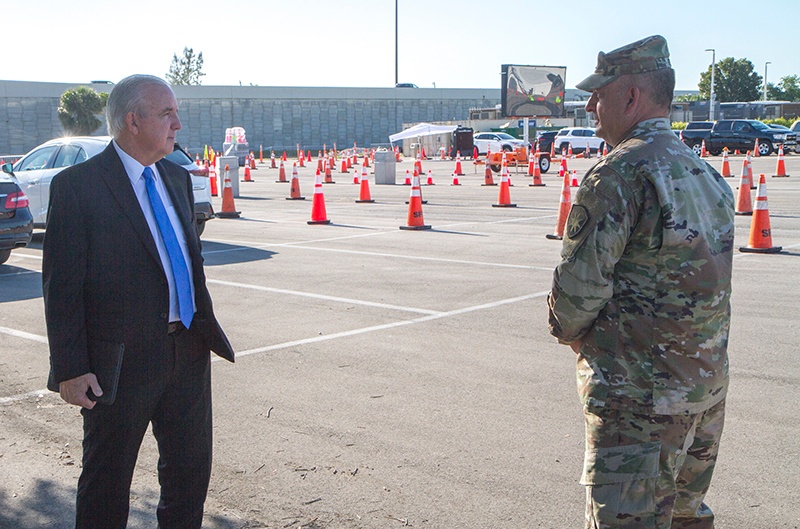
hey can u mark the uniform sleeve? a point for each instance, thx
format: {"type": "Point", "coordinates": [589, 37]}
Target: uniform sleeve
{"type": "Point", "coordinates": [597, 231]}
{"type": "Point", "coordinates": [63, 273]}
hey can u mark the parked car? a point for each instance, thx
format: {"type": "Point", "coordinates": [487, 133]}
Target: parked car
{"type": "Point", "coordinates": [741, 135]}
{"type": "Point", "coordinates": [545, 140]}
{"type": "Point", "coordinates": [795, 128]}
{"type": "Point", "coordinates": [496, 142]}
{"type": "Point", "coordinates": [36, 170]}
{"type": "Point", "coordinates": [16, 221]}
{"type": "Point", "coordinates": [581, 138]}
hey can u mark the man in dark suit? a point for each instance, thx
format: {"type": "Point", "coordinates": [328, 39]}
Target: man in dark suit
{"type": "Point", "coordinates": [123, 282]}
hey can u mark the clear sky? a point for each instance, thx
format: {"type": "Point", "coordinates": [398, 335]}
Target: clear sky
{"type": "Point", "coordinates": [446, 44]}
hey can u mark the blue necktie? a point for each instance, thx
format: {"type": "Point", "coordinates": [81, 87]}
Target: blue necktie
{"type": "Point", "coordinates": [180, 272]}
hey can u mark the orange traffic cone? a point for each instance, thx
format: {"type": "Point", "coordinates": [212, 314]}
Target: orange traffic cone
{"type": "Point", "coordinates": [563, 210]}
{"type": "Point", "coordinates": [756, 152]}
{"type": "Point", "coordinates": [564, 169]}
{"type": "Point", "coordinates": [455, 180]}
{"type": "Point", "coordinates": [228, 208]}
{"type": "Point", "coordinates": [318, 214]}
{"type": "Point", "coordinates": [261, 154]}
{"type": "Point", "coordinates": [430, 179]}
{"type": "Point", "coordinates": [212, 176]}
{"type": "Point", "coordinates": [328, 177]}
{"type": "Point", "coordinates": [750, 171]}
{"type": "Point", "coordinates": [283, 157]}
{"type": "Point", "coordinates": [744, 203]}
{"type": "Point", "coordinates": [703, 151]}
{"type": "Point", "coordinates": [272, 161]}
{"type": "Point", "coordinates": [726, 166]}
{"type": "Point", "coordinates": [553, 151]}
{"type": "Point", "coordinates": [537, 173]}
{"type": "Point", "coordinates": [488, 177]}
{"type": "Point", "coordinates": [458, 170]}
{"type": "Point", "coordinates": [569, 150]}
{"type": "Point", "coordinates": [415, 220]}
{"type": "Point", "coordinates": [574, 182]}
{"type": "Point", "coordinates": [408, 178]}
{"type": "Point", "coordinates": [343, 168]}
{"type": "Point", "coordinates": [302, 159]}
{"type": "Point", "coordinates": [282, 174]}
{"type": "Point", "coordinates": [504, 196]}
{"type": "Point", "coordinates": [294, 191]}
{"type": "Point", "coordinates": [760, 231]}
{"type": "Point", "coordinates": [247, 177]}
{"type": "Point", "coordinates": [780, 169]}
{"type": "Point", "coordinates": [605, 150]}
{"type": "Point", "coordinates": [253, 161]}
{"type": "Point", "coordinates": [364, 195]}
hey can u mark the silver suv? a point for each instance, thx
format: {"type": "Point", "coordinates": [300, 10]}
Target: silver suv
{"type": "Point", "coordinates": [581, 138]}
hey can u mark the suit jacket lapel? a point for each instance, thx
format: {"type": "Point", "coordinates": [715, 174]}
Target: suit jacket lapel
{"type": "Point", "coordinates": [119, 184]}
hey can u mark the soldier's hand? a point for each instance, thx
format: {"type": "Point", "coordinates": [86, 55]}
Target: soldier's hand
{"type": "Point", "coordinates": [74, 390]}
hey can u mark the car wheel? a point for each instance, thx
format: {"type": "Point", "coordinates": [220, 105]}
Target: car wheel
{"type": "Point", "coordinates": [544, 163]}
{"type": "Point", "coordinates": [696, 148]}
{"type": "Point", "coordinates": [496, 168]}
{"type": "Point", "coordinates": [200, 227]}
{"type": "Point", "coordinates": [4, 255]}
{"type": "Point", "coordinates": [507, 148]}
{"type": "Point", "coordinates": [764, 148]}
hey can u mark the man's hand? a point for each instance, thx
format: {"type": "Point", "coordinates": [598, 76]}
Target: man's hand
{"type": "Point", "coordinates": [74, 390]}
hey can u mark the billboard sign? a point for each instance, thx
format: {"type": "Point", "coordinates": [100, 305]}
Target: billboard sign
{"type": "Point", "coordinates": [533, 91]}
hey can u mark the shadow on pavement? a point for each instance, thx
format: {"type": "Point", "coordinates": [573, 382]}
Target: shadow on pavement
{"type": "Point", "coordinates": [52, 506]}
{"type": "Point", "coordinates": [18, 284]}
{"type": "Point", "coordinates": [218, 253]}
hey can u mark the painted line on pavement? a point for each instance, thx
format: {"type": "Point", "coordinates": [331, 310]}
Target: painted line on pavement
{"type": "Point", "coordinates": [322, 297]}
{"type": "Point", "coordinates": [374, 328]}
{"type": "Point", "coordinates": [23, 334]}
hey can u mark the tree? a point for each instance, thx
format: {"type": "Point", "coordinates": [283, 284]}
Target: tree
{"type": "Point", "coordinates": [187, 70]}
{"type": "Point", "coordinates": [734, 80]}
{"type": "Point", "coordinates": [78, 110]}
{"type": "Point", "coordinates": [787, 90]}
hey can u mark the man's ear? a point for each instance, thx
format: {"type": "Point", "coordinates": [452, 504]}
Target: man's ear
{"type": "Point", "coordinates": [633, 95]}
{"type": "Point", "coordinates": [132, 122]}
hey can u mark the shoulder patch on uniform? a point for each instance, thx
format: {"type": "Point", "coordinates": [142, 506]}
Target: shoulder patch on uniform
{"type": "Point", "coordinates": [577, 219]}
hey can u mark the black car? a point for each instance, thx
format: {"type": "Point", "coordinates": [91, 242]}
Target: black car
{"type": "Point", "coordinates": [16, 221]}
{"type": "Point", "coordinates": [545, 140]}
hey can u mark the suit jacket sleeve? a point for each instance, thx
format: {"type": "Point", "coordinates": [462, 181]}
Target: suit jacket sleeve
{"type": "Point", "coordinates": [63, 273]}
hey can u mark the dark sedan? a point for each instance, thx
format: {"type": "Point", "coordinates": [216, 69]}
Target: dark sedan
{"type": "Point", "coordinates": [16, 222]}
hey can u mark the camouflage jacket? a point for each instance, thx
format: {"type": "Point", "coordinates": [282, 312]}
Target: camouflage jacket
{"type": "Point", "coordinates": [645, 278]}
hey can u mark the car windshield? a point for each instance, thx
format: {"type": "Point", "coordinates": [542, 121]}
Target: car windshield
{"type": "Point", "coordinates": [759, 126]}
{"type": "Point", "coordinates": [504, 136]}
{"type": "Point", "coordinates": [178, 157]}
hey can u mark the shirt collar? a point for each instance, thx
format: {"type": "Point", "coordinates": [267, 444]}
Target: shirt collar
{"type": "Point", "coordinates": [132, 166]}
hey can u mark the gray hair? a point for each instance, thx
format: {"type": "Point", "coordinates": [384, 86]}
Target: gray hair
{"type": "Point", "coordinates": [128, 96]}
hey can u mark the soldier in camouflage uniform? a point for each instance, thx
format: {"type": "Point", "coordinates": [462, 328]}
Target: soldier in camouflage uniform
{"type": "Point", "coordinates": [642, 296]}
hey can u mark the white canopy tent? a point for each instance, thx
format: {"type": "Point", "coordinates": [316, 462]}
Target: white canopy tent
{"type": "Point", "coordinates": [422, 129]}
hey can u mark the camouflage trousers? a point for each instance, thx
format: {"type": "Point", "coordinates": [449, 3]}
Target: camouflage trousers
{"type": "Point", "coordinates": [650, 471]}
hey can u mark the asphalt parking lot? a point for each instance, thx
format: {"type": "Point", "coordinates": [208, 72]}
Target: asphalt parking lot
{"type": "Point", "coordinates": [389, 378]}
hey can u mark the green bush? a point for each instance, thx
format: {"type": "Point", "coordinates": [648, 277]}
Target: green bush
{"type": "Point", "coordinates": [678, 125]}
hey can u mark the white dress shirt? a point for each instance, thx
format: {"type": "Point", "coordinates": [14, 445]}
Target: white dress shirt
{"type": "Point", "coordinates": [135, 170]}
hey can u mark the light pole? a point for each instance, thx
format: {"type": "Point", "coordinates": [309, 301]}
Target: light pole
{"type": "Point", "coordinates": [713, 67]}
{"type": "Point", "coordinates": [395, 42]}
{"type": "Point", "coordinates": [765, 79]}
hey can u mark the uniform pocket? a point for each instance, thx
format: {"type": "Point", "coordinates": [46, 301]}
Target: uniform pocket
{"type": "Point", "coordinates": [621, 485]}
{"type": "Point", "coordinates": [619, 464]}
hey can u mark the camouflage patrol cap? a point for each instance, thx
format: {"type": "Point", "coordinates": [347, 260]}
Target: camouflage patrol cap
{"type": "Point", "coordinates": [646, 55]}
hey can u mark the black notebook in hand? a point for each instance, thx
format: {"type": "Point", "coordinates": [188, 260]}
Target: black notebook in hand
{"type": "Point", "coordinates": [105, 360]}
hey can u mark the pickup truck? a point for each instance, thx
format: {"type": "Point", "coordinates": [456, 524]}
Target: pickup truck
{"type": "Point", "coordinates": [737, 134]}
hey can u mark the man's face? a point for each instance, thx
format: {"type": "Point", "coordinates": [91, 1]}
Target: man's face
{"type": "Point", "coordinates": [158, 123]}
{"type": "Point", "coordinates": [608, 103]}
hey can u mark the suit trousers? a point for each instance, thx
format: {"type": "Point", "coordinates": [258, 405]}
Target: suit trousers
{"type": "Point", "coordinates": [650, 471]}
{"type": "Point", "coordinates": [176, 399]}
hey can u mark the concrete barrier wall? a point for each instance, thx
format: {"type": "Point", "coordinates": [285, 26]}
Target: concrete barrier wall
{"type": "Point", "coordinates": [275, 117]}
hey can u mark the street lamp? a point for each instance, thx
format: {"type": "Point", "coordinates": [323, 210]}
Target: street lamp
{"type": "Point", "coordinates": [765, 80]}
{"type": "Point", "coordinates": [713, 67]}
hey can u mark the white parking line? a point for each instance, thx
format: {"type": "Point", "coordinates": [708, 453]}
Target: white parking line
{"type": "Point", "coordinates": [23, 334]}
{"type": "Point", "coordinates": [384, 326]}
{"type": "Point", "coordinates": [322, 297]}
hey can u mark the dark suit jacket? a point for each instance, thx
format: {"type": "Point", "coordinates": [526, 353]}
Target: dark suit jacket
{"type": "Point", "coordinates": [103, 281]}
